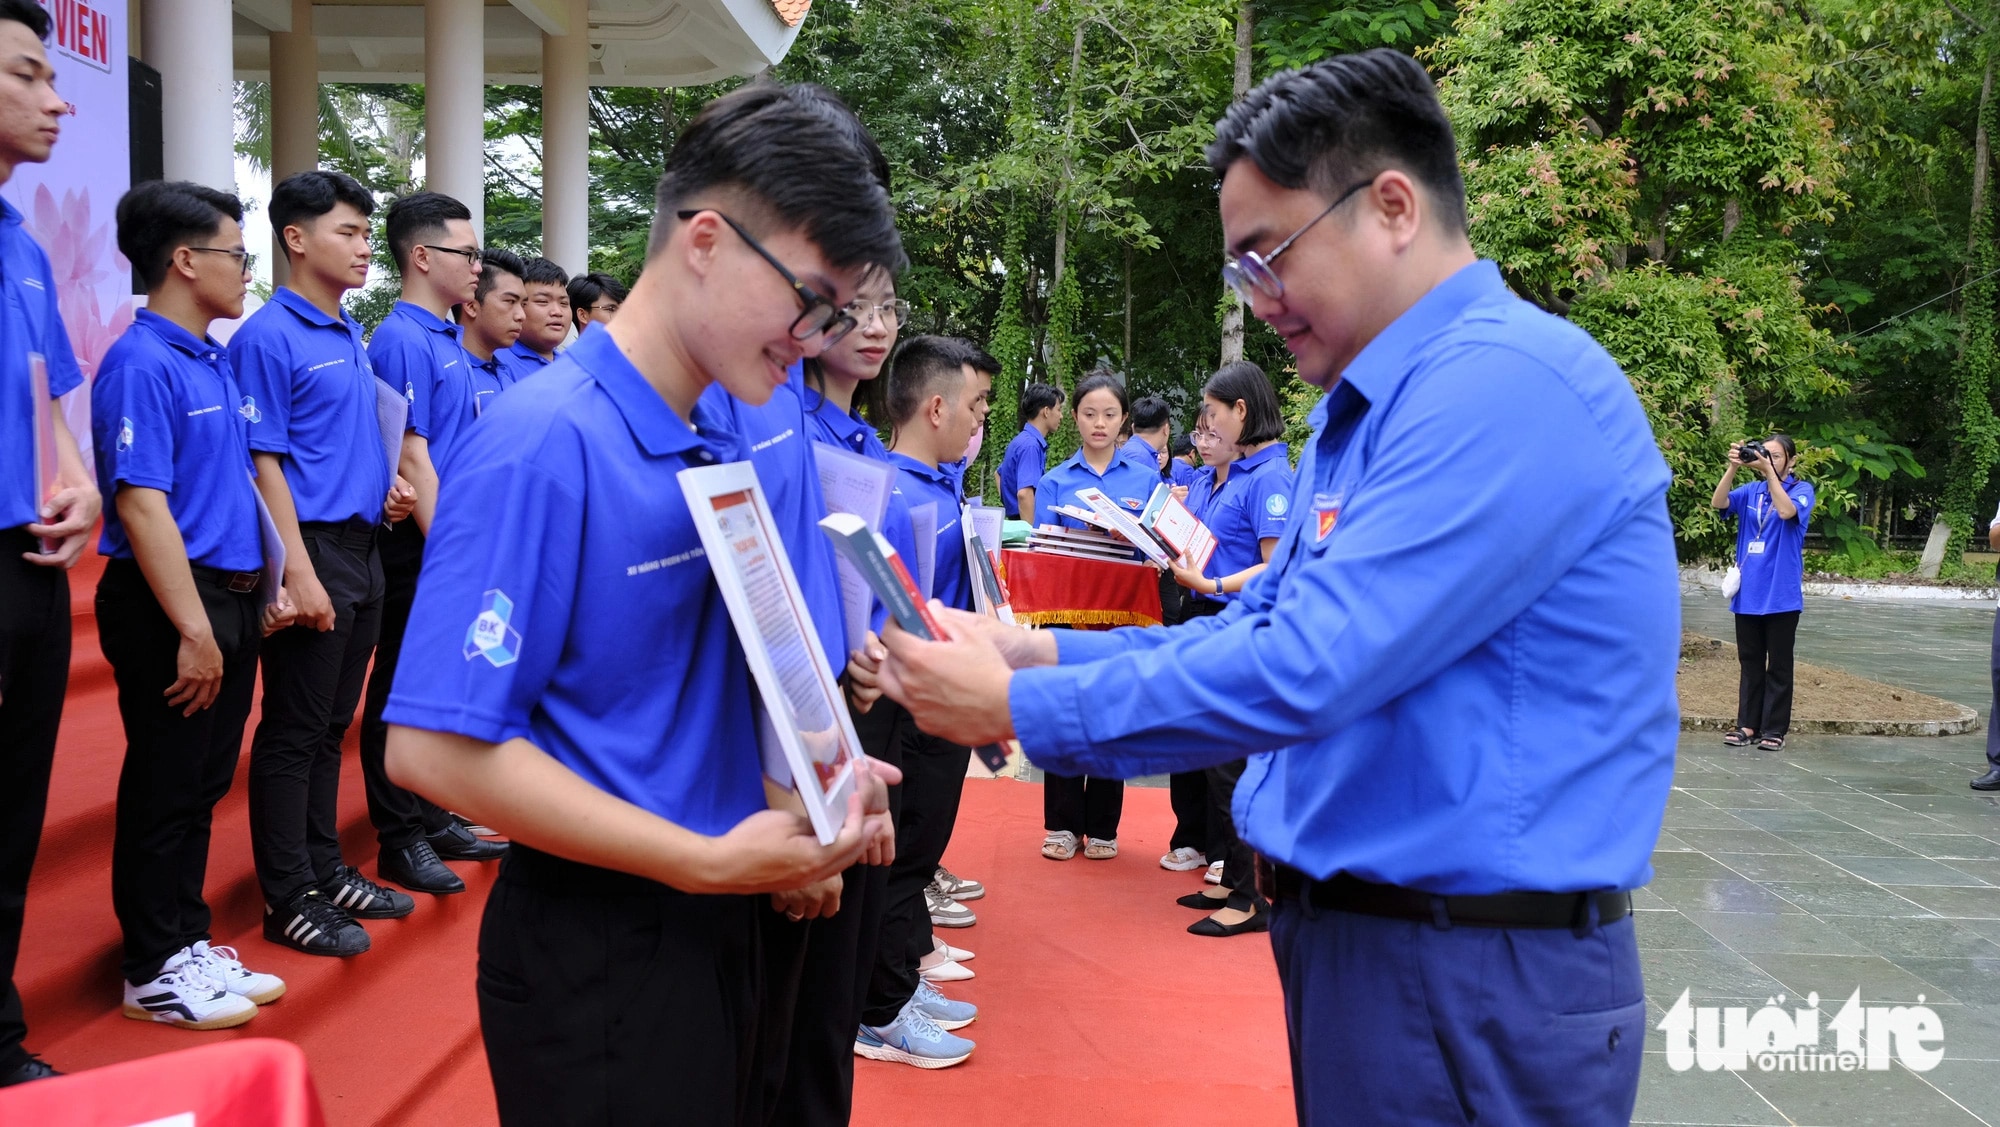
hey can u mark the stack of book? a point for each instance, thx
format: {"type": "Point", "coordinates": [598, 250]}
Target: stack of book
{"type": "Point", "coordinates": [1079, 544]}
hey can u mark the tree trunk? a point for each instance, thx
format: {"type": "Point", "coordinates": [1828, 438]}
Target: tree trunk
{"type": "Point", "coordinates": [1069, 172]}
{"type": "Point", "coordinates": [1982, 156]}
{"type": "Point", "coordinates": [1232, 318]}
{"type": "Point", "coordinates": [1128, 310]}
{"type": "Point", "coordinates": [1732, 216]}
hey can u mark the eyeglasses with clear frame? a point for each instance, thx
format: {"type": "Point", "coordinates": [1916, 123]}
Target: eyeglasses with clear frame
{"type": "Point", "coordinates": [820, 315]}
{"type": "Point", "coordinates": [1251, 269]}
{"type": "Point", "coordinates": [894, 312]}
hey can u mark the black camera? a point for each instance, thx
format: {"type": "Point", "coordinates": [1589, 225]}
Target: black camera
{"type": "Point", "coordinates": [1751, 452]}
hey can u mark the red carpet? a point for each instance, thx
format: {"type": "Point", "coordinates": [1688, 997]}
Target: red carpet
{"type": "Point", "coordinates": [1096, 1003]}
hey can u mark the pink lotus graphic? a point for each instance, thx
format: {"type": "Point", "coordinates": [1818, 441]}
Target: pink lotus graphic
{"type": "Point", "coordinates": [88, 270]}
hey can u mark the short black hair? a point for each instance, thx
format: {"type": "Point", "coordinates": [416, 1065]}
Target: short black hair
{"type": "Point", "coordinates": [1245, 382]}
{"type": "Point", "coordinates": [922, 367]}
{"type": "Point", "coordinates": [788, 155]}
{"type": "Point", "coordinates": [1102, 379]}
{"type": "Point", "coordinates": [1151, 413]}
{"type": "Point", "coordinates": [1036, 398]}
{"type": "Point", "coordinates": [1343, 120]}
{"type": "Point", "coordinates": [27, 12]}
{"type": "Point", "coordinates": [417, 217]}
{"type": "Point", "coordinates": [1181, 446]}
{"type": "Point", "coordinates": [983, 360]}
{"type": "Point", "coordinates": [586, 289]}
{"type": "Point", "coordinates": [160, 216]}
{"type": "Point", "coordinates": [305, 196]}
{"type": "Point", "coordinates": [492, 264]}
{"type": "Point", "coordinates": [540, 271]}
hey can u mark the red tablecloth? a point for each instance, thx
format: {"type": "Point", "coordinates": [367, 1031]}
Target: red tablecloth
{"type": "Point", "coordinates": [252, 1082]}
{"type": "Point", "coordinates": [1051, 590]}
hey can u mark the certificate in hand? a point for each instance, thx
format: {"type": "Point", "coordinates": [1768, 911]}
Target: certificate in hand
{"type": "Point", "coordinates": [800, 697]}
{"type": "Point", "coordinates": [392, 416]}
{"type": "Point", "coordinates": [47, 467]}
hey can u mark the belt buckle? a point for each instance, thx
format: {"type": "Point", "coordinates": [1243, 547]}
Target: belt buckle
{"type": "Point", "coordinates": [243, 582]}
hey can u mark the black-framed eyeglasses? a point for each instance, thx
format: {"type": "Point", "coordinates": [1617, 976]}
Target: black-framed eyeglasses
{"type": "Point", "coordinates": [472, 257]}
{"type": "Point", "coordinates": [244, 259]}
{"type": "Point", "coordinates": [1253, 269]}
{"type": "Point", "coordinates": [820, 316]}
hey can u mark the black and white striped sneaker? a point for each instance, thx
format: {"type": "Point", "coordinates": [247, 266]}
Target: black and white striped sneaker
{"type": "Point", "coordinates": [363, 898]}
{"type": "Point", "coordinates": [312, 924]}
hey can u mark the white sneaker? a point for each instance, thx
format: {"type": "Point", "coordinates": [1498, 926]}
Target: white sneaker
{"type": "Point", "coordinates": [186, 996]}
{"type": "Point", "coordinates": [955, 954]}
{"type": "Point", "coordinates": [1214, 873]}
{"type": "Point", "coordinates": [946, 912]}
{"type": "Point", "coordinates": [222, 965]}
{"type": "Point", "coordinates": [1183, 860]}
{"type": "Point", "coordinates": [935, 967]}
{"type": "Point", "coordinates": [957, 887]}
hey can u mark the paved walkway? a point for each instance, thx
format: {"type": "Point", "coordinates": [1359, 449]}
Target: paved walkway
{"type": "Point", "coordinates": [1839, 863]}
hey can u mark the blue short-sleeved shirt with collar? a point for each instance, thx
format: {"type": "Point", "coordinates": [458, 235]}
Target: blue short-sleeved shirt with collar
{"type": "Point", "coordinates": [1179, 472]}
{"type": "Point", "coordinates": [29, 323]}
{"type": "Point", "coordinates": [1773, 575]}
{"type": "Point", "coordinates": [1124, 481]}
{"type": "Point", "coordinates": [309, 393]}
{"type": "Point", "coordinates": [951, 581]}
{"type": "Point", "coordinates": [850, 432]}
{"type": "Point", "coordinates": [166, 415]}
{"type": "Point", "coordinates": [518, 362]}
{"type": "Point", "coordinates": [423, 355]}
{"type": "Point", "coordinates": [566, 598]}
{"type": "Point", "coordinates": [1141, 453]}
{"type": "Point", "coordinates": [1021, 467]}
{"type": "Point", "coordinates": [489, 378]}
{"type": "Point", "coordinates": [778, 441]}
{"type": "Point", "coordinates": [1250, 507]}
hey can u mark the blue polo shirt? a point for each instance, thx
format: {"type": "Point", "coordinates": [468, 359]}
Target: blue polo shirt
{"type": "Point", "coordinates": [1141, 453]}
{"type": "Point", "coordinates": [856, 435]}
{"type": "Point", "coordinates": [309, 394]}
{"type": "Point", "coordinates": [1021, 467]}
{"type": "Point", "coordinates": [1179, 472]}
{"type": "Point", "coordinates": [1774, 578]}
{"type": "Point", "coordinates": [1458, 682]}
{"type": "Point", "coordinates": [566, 599]}
{"type": "Point", "coordinates": [779, 444]}
{"type": "Point", "coordinates": [1124, 481]}
{"type": "Point", "coordinates": [29, 322]}
{"type": "Point", "coordinates": [1248, 508]}
{"type": "Point", "coordinates": [518, 362]}
{"type": "Point", "coordinates": [489, 378]}
{"type": "Point", "coordinates": [166, 415]}
{"type": "Point", "coordinates": [919, 484]}
{"type": "Point", "coordinates": [424, 355]}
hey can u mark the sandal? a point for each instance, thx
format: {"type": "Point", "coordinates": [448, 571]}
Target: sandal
{"type": "Point", "coordinates": [1060, 845]}
{"type": "Point", "coordinates": [1772, 743]}
{"type": "Point", "coordinates": [1101, 850]}
{"type": "Point", "coordinates": [1739, 737]}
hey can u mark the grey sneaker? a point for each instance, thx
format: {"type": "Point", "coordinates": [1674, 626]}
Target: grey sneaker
{"type": "Point", "coordinates": [946, 912]}
{"type": "Point", "coordinates": [957, 887]}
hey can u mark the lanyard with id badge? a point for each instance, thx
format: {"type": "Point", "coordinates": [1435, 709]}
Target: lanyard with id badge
{"type": "Point", "coordinates": [1765, 511]}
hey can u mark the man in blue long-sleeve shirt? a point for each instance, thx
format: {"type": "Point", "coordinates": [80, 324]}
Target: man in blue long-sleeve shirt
{"type": "Point", "coordinates": [1455, 682]}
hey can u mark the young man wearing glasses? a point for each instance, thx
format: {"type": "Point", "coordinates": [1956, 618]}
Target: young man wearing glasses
{"type": "Point", "coordinates": [573, 678]}
{"type": "Point", "coordinates": [310, 396]}
{"type": "Point", "coordinates": [1426, 784]}
{"type": "Point", "coordinates": [419, 350]}
{"type": "Point", "coordinates": [179, 610]}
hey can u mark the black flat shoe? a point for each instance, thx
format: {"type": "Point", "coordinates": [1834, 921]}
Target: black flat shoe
{"type": "Point", "coordinates": [1989, 781]}
{"type": "Point", "coordinates": [1259, 922]}
{"type": "Point", "coordinates": [1200, 902]}
{"type": "Point", "coordinates": [418, 868]}
{"type": "Point", "coordinates": [457, 843]}
{"type": "Point", "coordinates": [34, 1068]}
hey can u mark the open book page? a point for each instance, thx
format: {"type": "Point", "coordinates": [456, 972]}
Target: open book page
{"type": "Point", "coordinates": [858, 486]}
{"type": "Point", "coordinates": [1121, 522]}
{"type": "Point", "coordinates": [1184, 532]}
{"type": "Point", "coordinates": [924, 526]}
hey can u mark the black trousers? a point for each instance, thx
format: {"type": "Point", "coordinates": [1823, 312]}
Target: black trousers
{"type": "Point", "coordinates": [1187, 791]}
{"type": "Point", "coordinates": [1239, 861]}
{"type": "Point", "coordinates": [933, 782]}
{"type": "Point", "coordinates": [1087, 807]}
{"type": "Point", "coordinates": [817, 975]}
{"type": "Point", "coordinates": [312, 683]}
{"type": "Point", "coordinates": [1764, 650]}
{"type": "Point", "coordinates": [1993, 718]}
{"type": "Point", "coordinates": [607, 999]}
{"type": "Point", "coordinates": [34, 674]}
{"type": "Point", "coordinates": [401, 817]}
{"type": "Point", "coordinates": [176, 767]}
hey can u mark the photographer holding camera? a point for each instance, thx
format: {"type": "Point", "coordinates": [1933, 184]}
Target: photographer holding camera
{"type": "Point", "coordinates": [1771, 521]}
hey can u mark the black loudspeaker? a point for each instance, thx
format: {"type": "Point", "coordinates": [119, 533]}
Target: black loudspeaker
{"type": "Point", "coordinates": [149, 147]}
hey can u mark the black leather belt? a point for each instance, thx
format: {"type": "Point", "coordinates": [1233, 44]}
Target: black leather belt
{"type": "Point", "coordinates": [354, 533]}
{"type": "Point", "coordinates": [240, 582]}
{"type": "Point", "coordinates": [1345, 893]}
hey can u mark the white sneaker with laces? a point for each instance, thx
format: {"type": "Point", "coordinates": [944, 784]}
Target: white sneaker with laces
{"type": "Point", "coordinates": [946, 912]}
{"type": "Point", "coordinates": [1183, 860]}
{"type": "Point", "coordinates": [1214, 873]}
{"type": "Point", "coordinates": [183, 994]}
{"type": "Point", "coordinates": [223, 965]}
{"type": "Point", "coordinates": [956, 887]}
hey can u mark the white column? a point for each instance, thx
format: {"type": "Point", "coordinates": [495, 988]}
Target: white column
{"type": "Point", "coordinates": [455, 102]}
{"type": "Point", "coordinates": [190, 43]}
{"type": "Point", "coordinates": [294, 110]}
{"type": "Point", "coordinates": [566, 142]}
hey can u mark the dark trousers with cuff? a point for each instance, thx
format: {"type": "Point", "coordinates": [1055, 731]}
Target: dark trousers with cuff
{"type": "Point", "coordinates": [1239, 861]}
{"type": "Point", "coordinates": [817, 974]}
{"type": "Point", "coordinates": [1086, 806]}
{"type": "Point", "coordinates": [1764, 651]}
{"type": "Point", "coordinates": [1993, 719]}
{"type": "Point", "coordinates": [312, 683]}
{"type": "Point", "coordinates": [1395, 1022]}
{"type": "Point", "coordinates": [34, 675]}
{"type": "Point", "coordinates": [933, 782]}
{"type": "Point", "coordinates": [1187, 791]}
{"type": "Point", "coordinates": [177, 767]}
{"type": "Point", "coordinates": [609, 999]}
{"type": "Point", "coordinates": [401, 817]}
